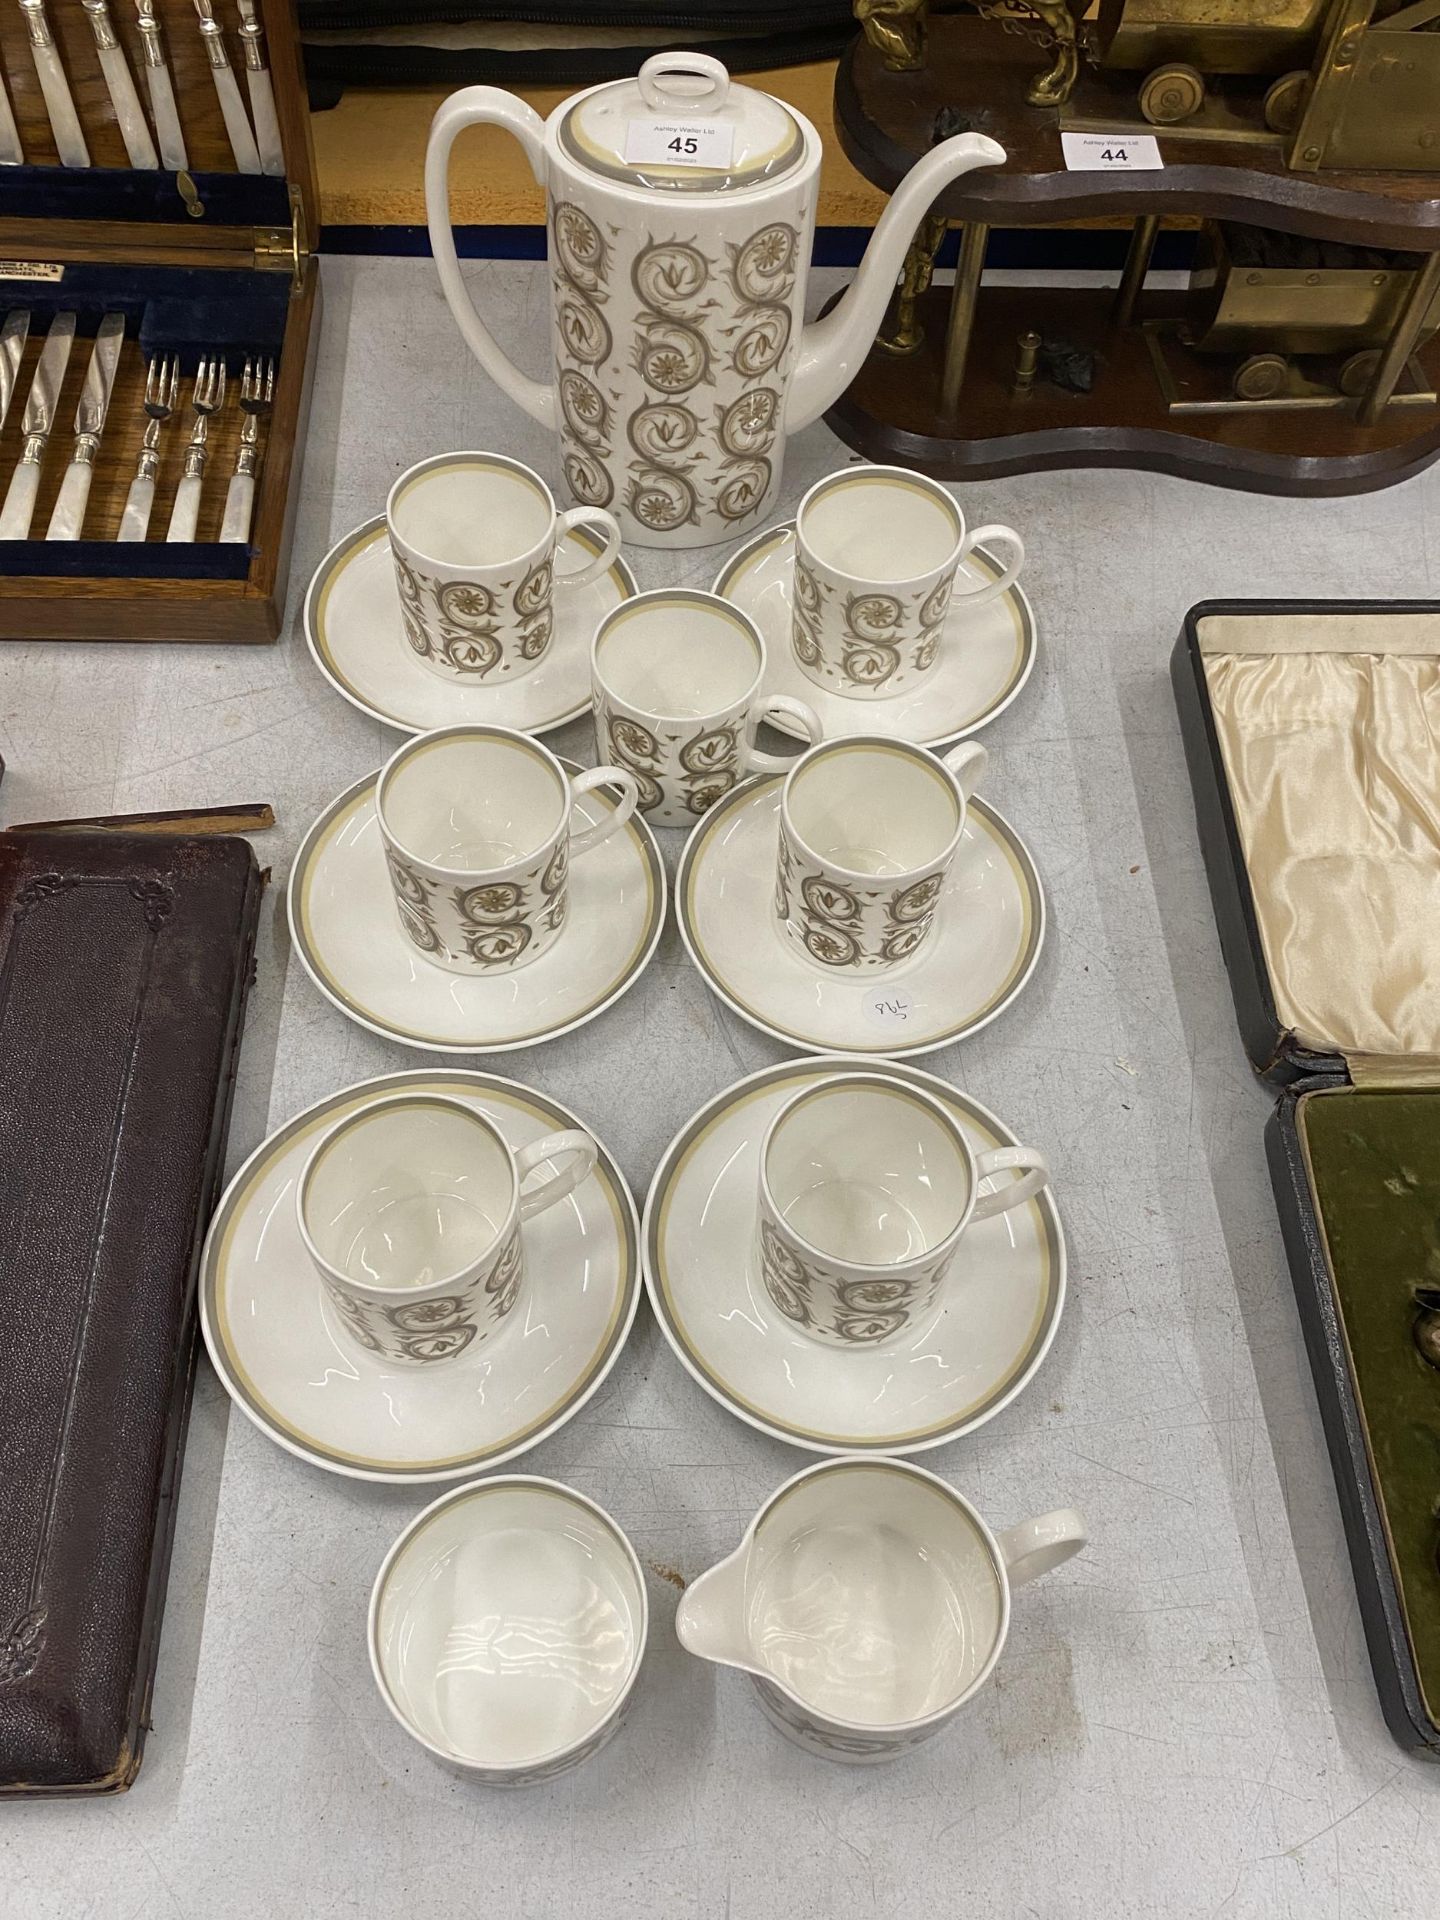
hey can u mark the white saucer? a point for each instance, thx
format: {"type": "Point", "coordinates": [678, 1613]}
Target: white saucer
{"type": "Point", "coordinates": [352, 623]}
{"type": "Point", "coordinates": [985, 656]}
{"type": "Point", "coordinates": [290, 1367]}
{"type": "Point", "coordinates": [343, 924]}
{"type": "Point", "coordinates": [999, 1309]}
{"type": "Point", "coordinates": [988, 931]}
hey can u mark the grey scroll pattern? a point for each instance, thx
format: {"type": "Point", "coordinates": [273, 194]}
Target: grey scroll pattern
{"type": "Point", "coordinates": [583, 345]}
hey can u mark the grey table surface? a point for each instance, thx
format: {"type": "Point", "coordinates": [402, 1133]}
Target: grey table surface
{"type": "Point", "coordinates": [1184, 1721]}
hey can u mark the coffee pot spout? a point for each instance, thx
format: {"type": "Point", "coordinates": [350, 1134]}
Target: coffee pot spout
{"type": "Point", "coordinates": [710, 1620]}
{"type": "Point", "coordinates": [833, 350]}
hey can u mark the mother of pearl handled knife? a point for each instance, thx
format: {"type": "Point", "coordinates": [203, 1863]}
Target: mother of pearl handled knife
{"type": "Point", "coordinates": [126, 101]}
{"type": "Point", "coordinates": [39, 419]}
{"type": "Point", "coordinates": [262, 93]}
{"type": "Point", "coordinates": [162, 91]}
{"type": "Point", "coordinates": [12, 154]}
{"type": "Point", "coordinates": [69, 515]}
{"type": "Point", "coordinates": [227, 90]}
{"type": "Point", "coordinates": [64, 122]}
{"type": "Point", "coordinates": [12, 344]}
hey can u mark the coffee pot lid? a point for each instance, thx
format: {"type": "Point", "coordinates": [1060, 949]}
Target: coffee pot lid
{"type": "Point", "coordinates": [682, 126]}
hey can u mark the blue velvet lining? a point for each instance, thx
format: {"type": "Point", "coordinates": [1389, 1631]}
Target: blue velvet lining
{"type": "Point", "coordinates": [121, 193]}
{"type": "Point", "coordinates": [189, 310]}
{"type": "Point", "coordinates": [132, 560]}
{"type": "Point", "coordinates": [184, 310]}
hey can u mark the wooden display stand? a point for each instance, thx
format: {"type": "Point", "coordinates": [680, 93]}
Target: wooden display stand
{"type": "Point", "coordinates": [952, 406]}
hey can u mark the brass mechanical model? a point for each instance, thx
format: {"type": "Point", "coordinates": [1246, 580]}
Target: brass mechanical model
{"type": "Point", "coordinates": [1351, 83]}
{"type": "Point", "coordinates": [1301, 354]}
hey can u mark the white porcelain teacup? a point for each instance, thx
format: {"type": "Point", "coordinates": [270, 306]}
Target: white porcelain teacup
{"type": "Point", "coordinates": [507, 1626]}
{"type": "Point", "coordinates": [877, 550]}
{"type": "Point", "coordinates": [474, 539]}
{"type": "Point", "coordinates": [478, 838]}
{"type": "Point", "coordinates": [677, 678]}
{"type": "Point", "coordinates": [411, 1211]}
{"type": "Point", "coordinates": [869, 1602]}
{"type": "Point", "coordinates": [869, 829]}
{"type": "Point", "coordinates": [867, 1185]}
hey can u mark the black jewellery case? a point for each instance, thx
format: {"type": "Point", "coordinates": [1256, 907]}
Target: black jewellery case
{"type": "Point", "coordinates": [1312, 732]}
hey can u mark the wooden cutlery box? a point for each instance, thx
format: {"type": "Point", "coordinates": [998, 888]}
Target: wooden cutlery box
{"type": "Point", "coordinates": [1312, 732]}
{"type": "Point", "coordinates": [201, 262]}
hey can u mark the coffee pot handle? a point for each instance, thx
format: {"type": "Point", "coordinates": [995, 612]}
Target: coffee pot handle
{"type": "Point", "coordinates": [1040, 1545]}
{"type": "Point", "coordinates": [474, 107]}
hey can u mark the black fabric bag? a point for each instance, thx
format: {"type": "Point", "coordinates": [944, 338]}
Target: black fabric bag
{"type": "Point", "coordinates": [559, 43]}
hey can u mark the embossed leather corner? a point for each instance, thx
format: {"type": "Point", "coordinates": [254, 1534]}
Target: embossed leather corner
{"type": "Point", "coordinates": [124, 966]}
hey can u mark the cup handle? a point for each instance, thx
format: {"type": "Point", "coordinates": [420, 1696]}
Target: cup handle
{"type": "Point", "coordinates": [629, 786]}
{"type": "Point", "coordinates": [967, 762]}
{"type": "Point", "coordinates": [599, 521]}
{"type": "Point", "coordinates": [992, 589]}
{"type": "Point", "coordinates": [1035, 1175]}
{"type": "Point", "coordinates": [752, 759]}
{"type": "Point", "coordinates": [581, 1152]}
{"type": "Point", "coordinates": [1040, 1545]}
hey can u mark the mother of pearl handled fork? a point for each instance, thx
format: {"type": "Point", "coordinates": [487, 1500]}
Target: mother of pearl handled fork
{"type": "Point", "coordinates": [162, 387]}
{"type": "Point", "coordinates": [207, 397]}
{"type": "Point", "coordinates": [69, 514]}
{"type": "Point", "coordinates": [257, 390]}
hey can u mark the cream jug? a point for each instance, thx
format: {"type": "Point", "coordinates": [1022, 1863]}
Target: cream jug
{"type": "Point", "coordinates": [680, 215]}
{"type": "Point", "coordinates": [868, 1602]}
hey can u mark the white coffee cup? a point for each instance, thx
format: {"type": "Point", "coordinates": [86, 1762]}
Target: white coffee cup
{"type": "Point", "coordinates": [474, 540]}
{"type": "Point", "coordinates": [677, 680]}
{"type": "Point", "coordinates": [867, 1186]}
{"type": "Point", "coordinates": [478, 838]}
{"type": "Point", "coordinates": [877, 551]}
{"type": "Point", "coordinates": [411, 1211]}
{"type": "Point", "coordinates": [869, 829]}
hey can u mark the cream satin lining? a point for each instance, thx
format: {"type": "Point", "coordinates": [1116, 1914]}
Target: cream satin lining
{"type": "Point", "coordinates": [1335, 777]}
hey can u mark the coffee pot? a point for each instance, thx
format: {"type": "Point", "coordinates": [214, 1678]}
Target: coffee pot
{"type": "Point", "coordinates": [680, 214]}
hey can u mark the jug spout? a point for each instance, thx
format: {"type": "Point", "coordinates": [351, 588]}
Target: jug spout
{"type": "Point", "coordinates": [832, 350]}
{"type": "Point", "coordinates": [710, 1620]}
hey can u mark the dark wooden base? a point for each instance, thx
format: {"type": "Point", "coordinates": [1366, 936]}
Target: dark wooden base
{"type": "Point", "coordinates": [891, 413]}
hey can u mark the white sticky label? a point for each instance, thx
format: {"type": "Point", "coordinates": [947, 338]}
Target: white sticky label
{"type": "Point", "coordinates": [31, 270]}
{"type": "Point", "coordinates": [889, 1008]}
{"type": "Point", "coordinates": [678, 143]}
{"type": "Point", "coordinates": [1111, 152]}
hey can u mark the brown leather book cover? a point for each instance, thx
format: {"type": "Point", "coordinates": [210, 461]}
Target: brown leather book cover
{"type": "Point", "coordinates": [124, 966]}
